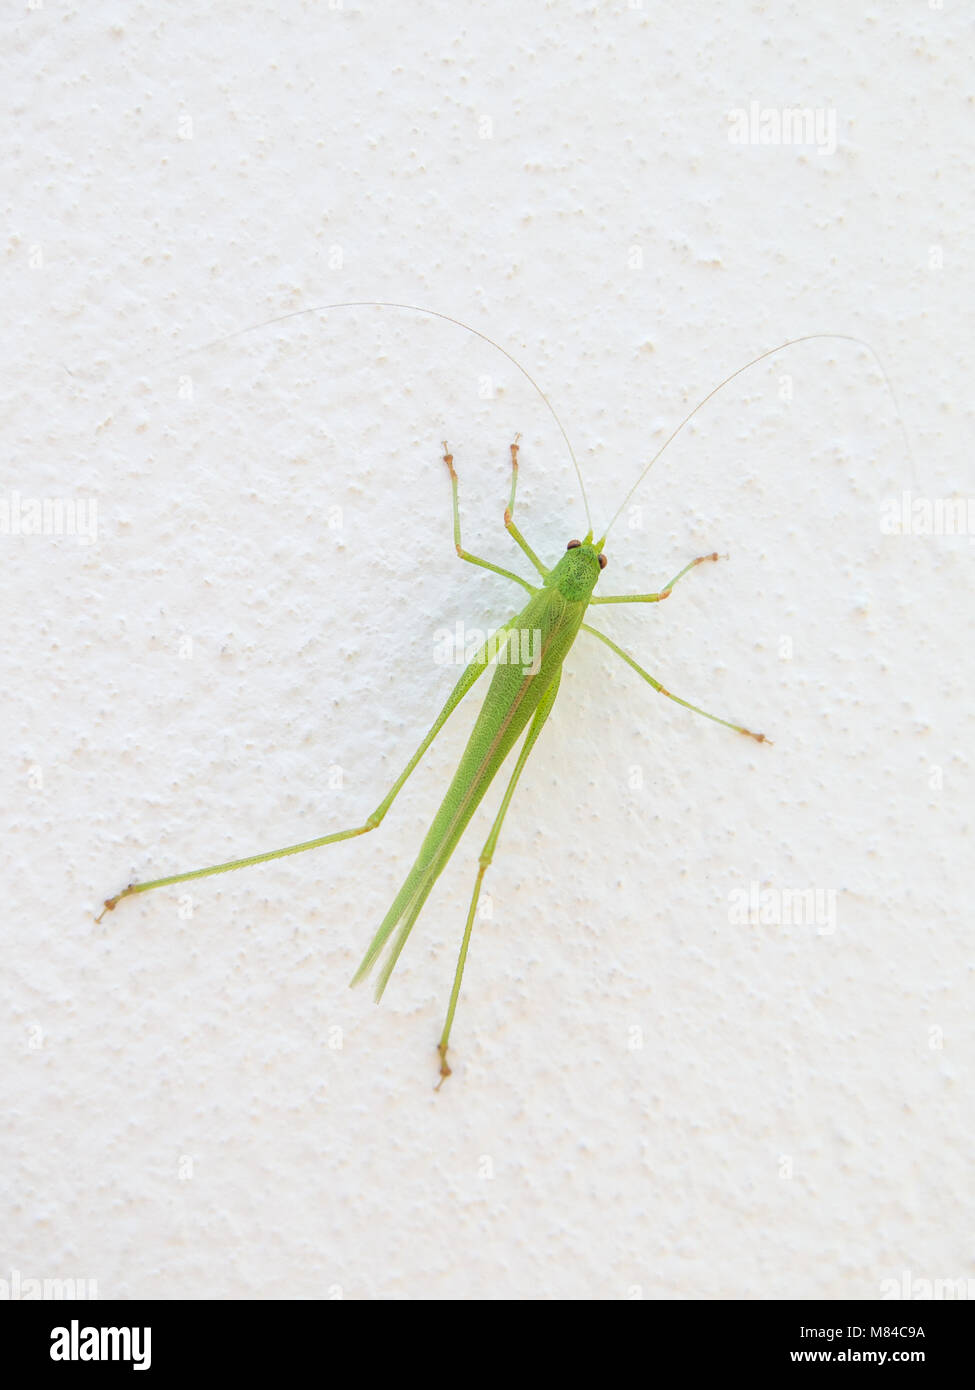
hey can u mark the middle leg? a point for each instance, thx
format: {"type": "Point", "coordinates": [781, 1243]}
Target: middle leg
{"type": "Point", "coordinates": [738, 728]}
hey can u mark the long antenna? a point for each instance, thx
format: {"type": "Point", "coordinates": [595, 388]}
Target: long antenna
{"type": "Point", "coordinates": [414, 309]}
{"type": "Point", "coordinates": [807, 338]}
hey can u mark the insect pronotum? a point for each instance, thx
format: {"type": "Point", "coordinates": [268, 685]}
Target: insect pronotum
{"type": "Point", "coordinates": [519, 696]}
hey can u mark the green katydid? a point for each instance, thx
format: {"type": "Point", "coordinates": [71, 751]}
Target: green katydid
{"type": "Point", "coordinates": [519, 697]}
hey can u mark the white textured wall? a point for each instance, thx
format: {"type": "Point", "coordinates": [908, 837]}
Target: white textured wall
{"type": "Point", "coordinates": [176, 1122]}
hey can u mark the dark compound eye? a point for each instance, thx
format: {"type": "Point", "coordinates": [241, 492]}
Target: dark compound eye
{"type": "Point", "coordinates": [573, 545]}
{"type": "Point", "coordinates": [602, 562]}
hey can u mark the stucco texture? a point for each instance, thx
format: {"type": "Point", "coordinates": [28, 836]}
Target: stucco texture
{"type": "Point", "coordinates": [657, 1091]}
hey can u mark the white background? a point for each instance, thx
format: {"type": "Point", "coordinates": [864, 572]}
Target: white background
{"type": "Point", "coordinates": [650, 1098]}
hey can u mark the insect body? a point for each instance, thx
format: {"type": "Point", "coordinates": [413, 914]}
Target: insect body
{"type": "Point", "coordinates": [519, 697]}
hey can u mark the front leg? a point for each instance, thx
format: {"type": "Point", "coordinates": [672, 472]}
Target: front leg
{"type": "Point", "coordinates": [510, 509]}
{"type": "Point", "coordinates": [664, 593]}
{"type": "Point", "coordinates": [448, 459]}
